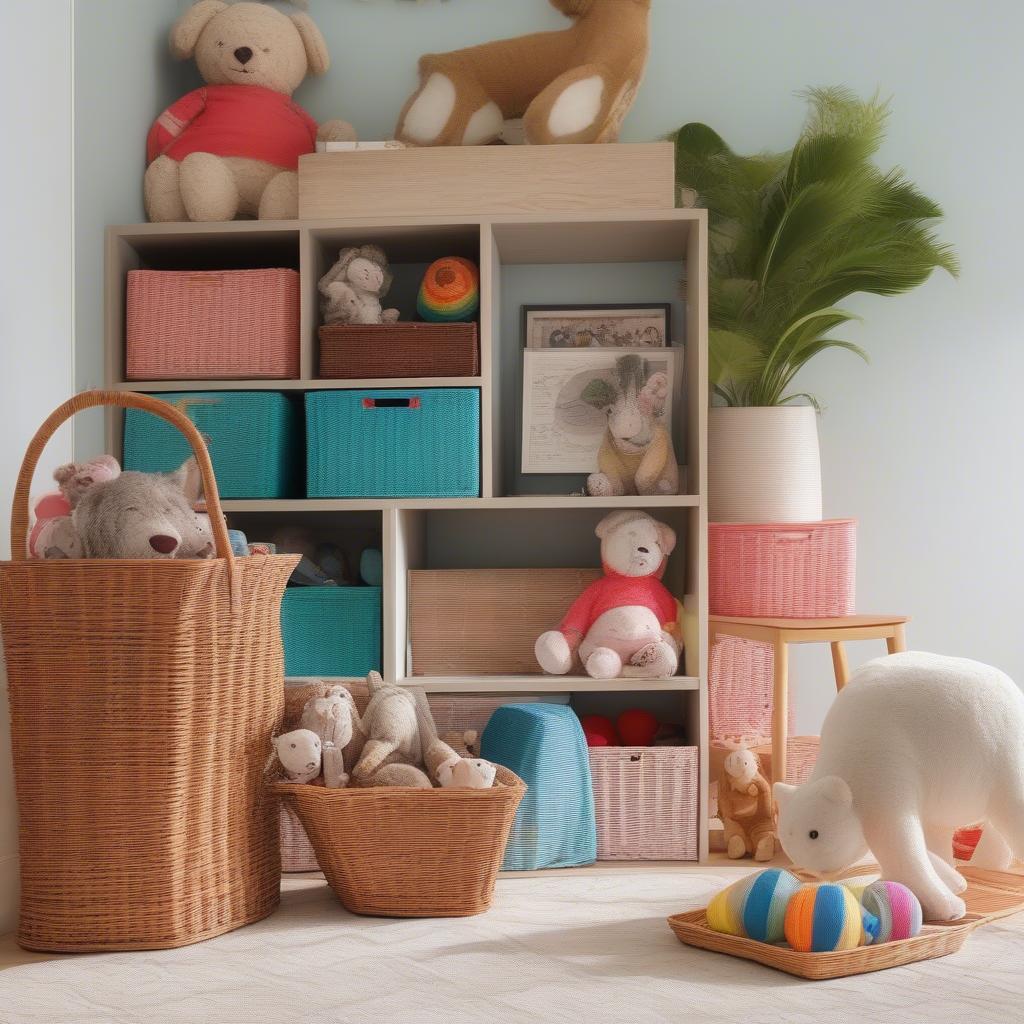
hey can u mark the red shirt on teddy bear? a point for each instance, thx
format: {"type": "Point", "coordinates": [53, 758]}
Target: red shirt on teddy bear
{"type": "Point", "coordinates": [234, 120]}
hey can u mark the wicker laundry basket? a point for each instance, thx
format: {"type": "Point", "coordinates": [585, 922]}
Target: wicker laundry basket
{"type": "Point", "coordinates": [143, 696]}
{"type": "Point", "coordinates": [397, 852]}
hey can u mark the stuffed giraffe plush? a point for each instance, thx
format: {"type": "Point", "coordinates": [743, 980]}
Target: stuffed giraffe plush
{"type": "Point", "coordinates": [573, 85]}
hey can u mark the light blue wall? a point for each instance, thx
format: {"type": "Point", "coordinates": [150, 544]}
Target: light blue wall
{"type": "Point", "coordinates": [924, 446]}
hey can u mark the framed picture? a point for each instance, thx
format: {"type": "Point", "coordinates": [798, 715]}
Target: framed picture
{"type": "Point", "coordinates": [641, 325]}
{"type": "Point", "coordinates": [562, 431]}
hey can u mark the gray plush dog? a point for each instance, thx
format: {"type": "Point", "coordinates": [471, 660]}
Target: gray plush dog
{"type": "Point", "coordinates": [142, 515]}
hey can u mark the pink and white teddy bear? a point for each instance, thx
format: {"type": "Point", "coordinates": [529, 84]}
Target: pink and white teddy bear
{"type": "Point", "coordinates": [626, 623]}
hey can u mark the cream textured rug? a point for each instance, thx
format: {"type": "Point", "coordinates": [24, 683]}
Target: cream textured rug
{"type": "Point", "coordinates": [581, 948]}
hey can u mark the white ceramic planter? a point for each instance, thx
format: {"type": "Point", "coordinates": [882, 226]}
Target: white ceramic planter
{"type": "Point", "coordinates": [764, 465]}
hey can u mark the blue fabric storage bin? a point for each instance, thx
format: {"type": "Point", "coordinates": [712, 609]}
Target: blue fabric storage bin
{"type": "Point", "coordinates": [331, 631]}
{"type": "Point", "coordinates": [393, 443]}
{"type": "Point", "coordinates": [254, 438]}
{"type": "Point", "coordinates": [544, 745]}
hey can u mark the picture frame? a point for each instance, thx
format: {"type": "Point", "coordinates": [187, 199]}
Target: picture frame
{"type": "Point", "coordinates": [561, 432]}
{"type": "Point", "coordinates": [621, 325]}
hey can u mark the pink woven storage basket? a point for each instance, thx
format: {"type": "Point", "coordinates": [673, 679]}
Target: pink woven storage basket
{"type": "Point", "coordinates": [783, 570]}
{"type": "Point", "coordinates": [740, 676]}
{"type": "Point", "coordinates": [210, 324]}
{"type": "Point", "coordinates": [645, 802]}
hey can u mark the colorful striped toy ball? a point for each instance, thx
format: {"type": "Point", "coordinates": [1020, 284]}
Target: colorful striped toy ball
{"type": "Point", "coordinates": [450, 291]}
{"type": "Point", "coordinates": [755, 906]}
{"type": "Point", "coordinates": [823, 918]}
{"type": "Point", "coordinates": [898, 910]}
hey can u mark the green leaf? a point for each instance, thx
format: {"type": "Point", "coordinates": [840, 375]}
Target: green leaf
{"type": "Point", "coordinates": [732, 357]}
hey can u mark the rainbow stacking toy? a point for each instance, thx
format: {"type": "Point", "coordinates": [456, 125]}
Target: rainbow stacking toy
{"type": "Point", "coordinates": [450, 291]}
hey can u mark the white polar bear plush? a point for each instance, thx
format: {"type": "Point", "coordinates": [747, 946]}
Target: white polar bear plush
{"type": "Point", "coordinates": [915, 746]}
{"type": "Point", "coordinates": [626, 623]}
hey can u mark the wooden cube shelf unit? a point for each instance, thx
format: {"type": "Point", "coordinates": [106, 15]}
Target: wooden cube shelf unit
{"type": "Point", "coordinates": [411, 528]}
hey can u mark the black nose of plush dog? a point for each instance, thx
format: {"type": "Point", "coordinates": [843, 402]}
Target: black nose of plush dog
{"type": "Point", "coordinates": [643, 551]}
{"type": "Point", "coordinates": [243, 55]}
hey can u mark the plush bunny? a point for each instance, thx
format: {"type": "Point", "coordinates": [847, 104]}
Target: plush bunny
{"type": "Point", "coordinates": [637, 455]}
{"type": "Point", "coordinates": [392, 732]}
{"type": "Point", "coordinates": [231, 148]}
{"type": "Point", "coordinates": [350, 292]}
{"type": "Point", "coordinates": [300, 754]}
{"type": "Point", "coordinates": [626, 623]}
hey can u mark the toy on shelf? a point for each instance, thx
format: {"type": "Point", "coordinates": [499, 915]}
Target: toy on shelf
{"type": "Point", "coordinates": [912, 744]}
{"type": "Point", "coordinates": [350, 292]}
{"type": "Point", "coordinates": [231, 148]}
{"type": "Point", "coordinates": [746, 807]}
{"type": "Point", "coordinates": [574, 85]}
{"type": "Point", "coordinates": [600, 731]}
{"type": "Point", "coordinates": [637, 727]}
{"type": "Point", "coordinates": [371, 567]}
{"type": "Point", "coordinates": [636, 455]}
{"type": "Point", "coordinates": [626, 623]}
{"type": "Point", "coordinates": [321, 565]}
{"type": "Point", "coordinates": [824, 918]}
{"type": "Point", "coordinates": [755, 906]}
{"type": "Point", "coordinates": [104, 513]}
{"type": "Point", "coordinates": [450, 291]}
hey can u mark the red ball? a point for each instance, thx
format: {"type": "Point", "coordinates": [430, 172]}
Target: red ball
{"type": "Point", "coordinates": [600, 728]}
{"type": "Point", "coordinates": [637, 727]}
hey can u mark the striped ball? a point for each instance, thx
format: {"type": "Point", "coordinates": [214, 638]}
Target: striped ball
{"type": "Point", "coordinates": [826, 917]}
{"type": "Point", "coordinates": [897, 909]}
{"type": "Point", "coordinates": [450, 291]}
{"type": "Point", "coordinates": [755, 906]}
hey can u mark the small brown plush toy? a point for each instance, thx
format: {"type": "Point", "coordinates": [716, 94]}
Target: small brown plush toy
{"type": "Point", "coordinates": [746, 807]}
{"type": "Point", "coordinates": [574, 85]}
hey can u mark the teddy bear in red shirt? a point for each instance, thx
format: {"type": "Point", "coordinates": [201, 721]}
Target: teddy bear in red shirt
{"type": "Point", "coordinates": [231, 148]}
{"type": "Point", "coordinates": [626, 623]}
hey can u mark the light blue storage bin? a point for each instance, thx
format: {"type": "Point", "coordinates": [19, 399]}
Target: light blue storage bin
{"type": "Point", "coordinates": [331, 631]}
{"type": "Point", "coordinates": [254, 438]}
{"type": "Point", "coordinates": [393, 443]}
{"type": "Point", "coordinates": [544, 745]}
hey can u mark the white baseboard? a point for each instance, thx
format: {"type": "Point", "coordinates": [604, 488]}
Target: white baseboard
{"type": "Point", "coordinates": [8, 893]}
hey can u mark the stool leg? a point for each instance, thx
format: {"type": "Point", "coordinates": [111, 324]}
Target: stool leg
{"type": "Point", "coordinates": [840, 664]}
{"type": "Point", "coordinates": [780, 711]}
{"type": "Point", "coordinates": [898, 641]}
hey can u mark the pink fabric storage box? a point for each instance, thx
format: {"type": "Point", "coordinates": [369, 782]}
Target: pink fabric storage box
{"type": "Point", "coordinates": [645, 802]}
{"type": "Point", "coordinates": [210, 324]}
{"type": "Point", "coordinates": [740, 684]}
{"type": "Point", "coordinates": [783, 570]}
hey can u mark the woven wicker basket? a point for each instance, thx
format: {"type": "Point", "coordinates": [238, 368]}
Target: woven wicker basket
{"type": "Point", "coordinates": [210, 324]}
{"type": "Point", "coordinates": [392, 852]}
{"type": "Point", "coordinates": [143, 697]}
{"type": "Point", "coordinates": [408, 349]}
{"type": "Point", "coordinates": [645, 802]}
{"type": "Point", "coordinates": [789, 570]}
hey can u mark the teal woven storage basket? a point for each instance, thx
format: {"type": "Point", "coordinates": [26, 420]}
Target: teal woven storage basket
{"type": "Point", "coordinates": [331, 631]}
{"type": "Point", "coordinates": [544, 745]}
{"type": "Point", "coordinates": [393, 444]}
{"type": "Point", "coordinates": [254, 438]}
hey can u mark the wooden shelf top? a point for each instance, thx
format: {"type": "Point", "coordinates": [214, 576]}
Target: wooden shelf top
{"type": "Point", "coordinates": [547, 684]}
{"type": "Point", "coordinates": [537, 501]}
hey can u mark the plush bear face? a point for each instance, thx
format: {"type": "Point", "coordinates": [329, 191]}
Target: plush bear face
{"type": "Point", "coordinates": [299, 752]}
{"type": "Point", "coordinates": [742, 766]}
{"type": "Point", "coordinates": [818, 825]}
{"type": "Point", "coordinates": [634, 544]}
{"type": "Point", "coordinates": [249, 44]}
{"type": "Point", "coordinates": [366, 275]}
{"type": "Point", "coordinates": [144, 515]}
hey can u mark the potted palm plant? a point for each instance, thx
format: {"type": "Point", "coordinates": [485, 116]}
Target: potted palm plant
{"type": "Point", "coordinates": [792, 235]}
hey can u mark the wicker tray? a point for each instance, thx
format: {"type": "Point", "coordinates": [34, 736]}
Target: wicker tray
{"type": "Point", "coordinates": [990, 895]}
{"type": "Point", "coordinates": [407, 349]}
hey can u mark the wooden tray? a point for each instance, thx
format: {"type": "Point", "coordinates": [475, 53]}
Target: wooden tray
{"type": "Point", "coordinates": [990, 895]}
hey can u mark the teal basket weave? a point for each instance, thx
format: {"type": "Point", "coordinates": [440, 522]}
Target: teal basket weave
{"type": "Point", "coordinates": [544, 745]}
{"type": "Point", "coordinates": [254, 437]}
{"type": "Point", "coordinates": [393, 444]}
{"type": "Point", "coordinates": [331, 631]}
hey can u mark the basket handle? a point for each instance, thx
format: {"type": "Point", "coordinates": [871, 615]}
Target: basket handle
{"type": "Point", "coordinates": [123, 400]}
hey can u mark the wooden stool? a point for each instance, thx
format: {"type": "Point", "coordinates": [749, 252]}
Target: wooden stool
{"type": "Point", "coordinates": [779, 633]}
